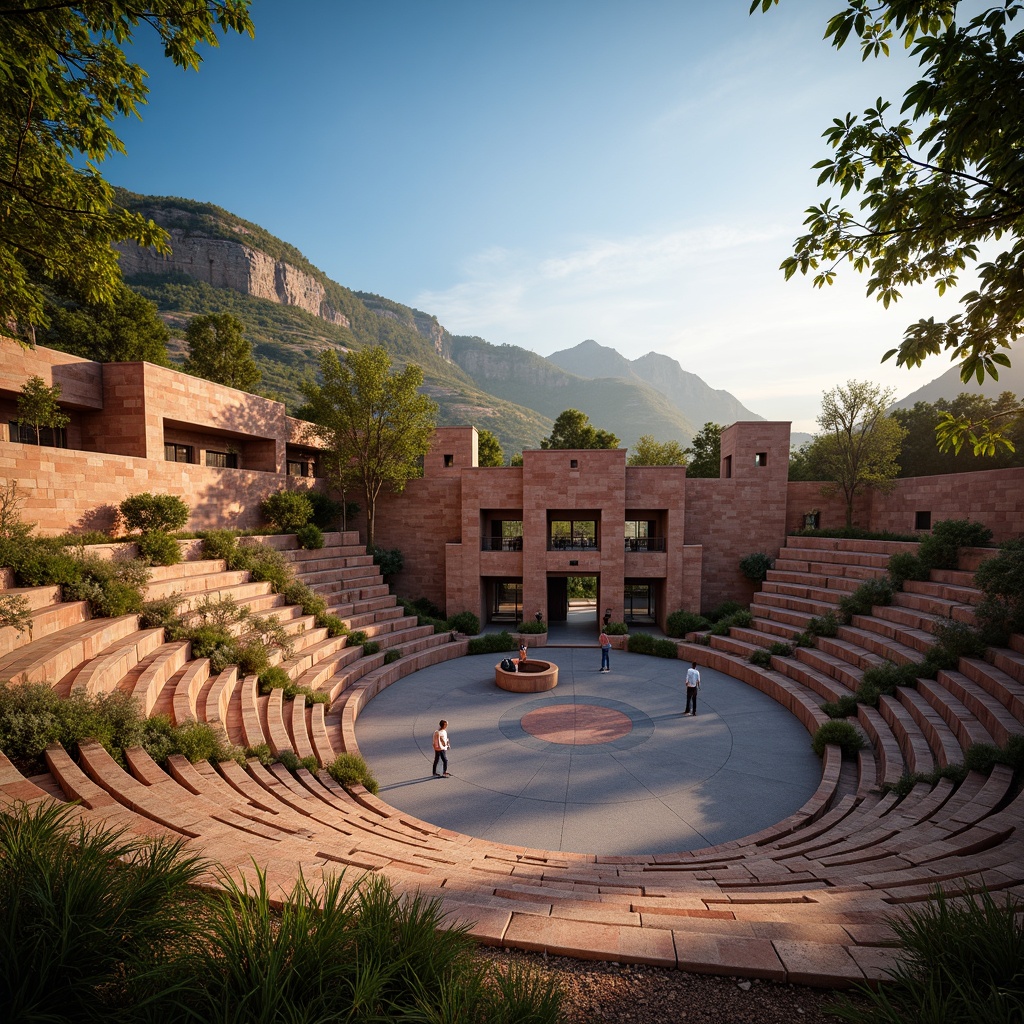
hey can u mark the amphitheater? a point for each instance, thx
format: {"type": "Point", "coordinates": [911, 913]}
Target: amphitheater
{"type": "Point", "coordinates": [807, 900]}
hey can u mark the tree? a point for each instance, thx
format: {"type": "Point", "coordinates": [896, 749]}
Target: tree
{"type": "Point", "coordinates": [648, 452]}
{"type": "Point", "coordinates": [125, 330]}
{"type": "Point", "coordinates": [939, 186]}
{"type": "Point", "coordinates": [218, 351]}
{"type": "Point", "coordinates": [64, 77]}
{"type": "Point", "coordinates": [859, 444]}
{"type": "Point", "coordinates": [38, 406]}
{"type": "Point", "coordinates": [488, 449]}
{"type": "Point", "coordinates": [921, 457]}
{"type": "Point", "coordinates": [704, 456]}
{"type": "Point", "coordinates": [374, 423]}
{"type": "Point", "coordinates": [573, 429]}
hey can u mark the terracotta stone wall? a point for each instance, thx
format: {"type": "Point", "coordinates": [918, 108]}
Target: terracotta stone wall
{"type": "Point", "coordinates": [77, 490]}
{"type": "Point", "coordinates": [804, 496]}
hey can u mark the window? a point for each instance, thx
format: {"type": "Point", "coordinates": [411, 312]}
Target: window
{"type": "Point", "coordinates": [51, 437]}
{"type": "Point", "coordinates": [574, 463]}
{"type": "Point", "coordinates": [178, 452]}
{"type": "Point", "coordinates": [728, 466]}
{"type": "Point", "coordinates": [922, 520]}
{"type": "Point", "coordinates": [761, 459]}
{"type": "Point", "coordinates": [298, 467]}
{"type": "Point", "coordinates": [449, 461]}
{"type": "Point", "coordinates": [222, 460]}
{"type": "Point", "coordinates": [572, 535]}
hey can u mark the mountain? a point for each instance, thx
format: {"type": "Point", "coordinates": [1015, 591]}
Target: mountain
{"type": "Point", "coordinates": [292, 311]}
{"type": "Point", "coordinates": [697, 402]}
{"type": "Point", "coordinates": [949, 385]}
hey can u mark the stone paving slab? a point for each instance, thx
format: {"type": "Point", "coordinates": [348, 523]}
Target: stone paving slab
{"type": "Point", "coordinates": [672, 783]}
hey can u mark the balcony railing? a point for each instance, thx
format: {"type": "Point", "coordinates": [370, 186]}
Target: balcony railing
{"type": "Point", "coordinates": [501, 543]}
{"type": "Point", "coordinates": [644, 544]}
{"type": "Point", "coordinates": [572, 544]}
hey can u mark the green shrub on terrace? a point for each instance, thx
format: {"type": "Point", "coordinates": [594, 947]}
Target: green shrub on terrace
{"type": "Point", "coordinates": [761, 658]}
{"type": "Point", "coordinates": [370, 647]}
{"type": "Point", "coordinates": [756, 566]}
{"type": "Point", "coordinates": [350, 769]}
{"type": "Point", "coordinates": [742, 619]}
{"type": "Point", "coordinates": [356, 637]}
{"type": "Point", "coordinates": [953, 641]}
{"type": "Point", "coordinates": [679, 623]}
{"type": "Point", "coordinates": [959, 963]}
{"type": "Point", "coordinates": [826, 625]}
{"type": "Point", "coordinates": [955, 772]}
{"type": "Point", "coordinates": [640, 643]}
{"type": "Point", "coordinates": [885, 678]}
{"type": "Point", "coordinates": [665, 649]}
{"type": "Point", "coordinates": [389, 561]}
{"type": "Point", "coordinates": [326, 511]}
{"type": "Point", "coordinates": [877, 591]}
{"type": "Point", "coordinates": [196, 741]}
{"type": "Point", "coordinates": [842, 734]}
{"type": "Point", "coordinates": [264, 564]}
{"type": "Point", "coordinates": [424, 612]}
{"type": "Point", "coordinates": [492, 643]}
{"type": "Point", "coordinates": [277, 679]}
{"type": "Point", "coordinates": [143, 513]}
{"type": "Point", "coordinates": [391, 656]}
{"type": "Point", "coordinates": [158, 548]}
{"type": "Point", "coordinates": [1001, 579]}
{"type": "Point", "coordinates": [941, 548]}
{"type": "Point", "coordinates": [725, 609]}
{"type": "Point", "coordinates": [465, 622]}
{"type": "Point", "coordinates": [617, 629]}
{"type": "Point", "coordinates": [262, 753]}
{"type": "Point", "coordinates": [334, 625]}
{"type": "Point", "coordinates": [15, 613]}
{"type": "Point", "coordinates": [221, 544]}
{"type": "Point", "coordinates": [905, 566]}
{"type": "Point", "coordinates": [293, 762]}
{"type": "Point", "coordinates": [805, 639]}
{"type": "Point", "coordinates": [286, 510]}
{"type": "Point", "coordinates": [781, 650]}
{"type": "Point", "coordinates": [310, 537]}
{"type": "Point", "coordinates": [845, 707]}
{"type": "Point", "coordinates": [983, 757]}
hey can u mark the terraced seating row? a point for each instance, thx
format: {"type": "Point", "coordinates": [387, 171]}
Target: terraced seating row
{"type": "Point", "coordinates": [807, 900]}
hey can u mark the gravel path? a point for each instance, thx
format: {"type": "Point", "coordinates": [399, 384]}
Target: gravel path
{"type": "Point", "coordinates": [635, 994]}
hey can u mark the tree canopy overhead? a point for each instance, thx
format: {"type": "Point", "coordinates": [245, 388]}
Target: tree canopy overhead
{"type": "Point", "coordinates": [705, 452]}
{"type": "Point", "coordinates": [64, 79]}
{"type": "Point", "coordinates": [649, 452]}
{"type": "Point", "coordinates": [218, 351]}
{"type": "Point", "coordinates": [573, 429]}
{"type": "Point", "coordinates": [941, 182]}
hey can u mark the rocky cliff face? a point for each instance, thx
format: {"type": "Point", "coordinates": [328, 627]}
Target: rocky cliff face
{"type": "Point", "coordinates": [226, 264]}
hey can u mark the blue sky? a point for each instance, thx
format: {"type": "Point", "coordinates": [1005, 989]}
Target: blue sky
{"type": "Point", "coordinates": [539, 173]}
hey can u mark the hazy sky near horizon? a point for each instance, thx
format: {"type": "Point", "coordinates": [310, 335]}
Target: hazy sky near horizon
{"type": "Point", "coordinates": [540, 173]}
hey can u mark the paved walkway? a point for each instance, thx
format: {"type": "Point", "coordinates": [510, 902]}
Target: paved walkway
{"type": "Point", "coordinates": [605, 763]}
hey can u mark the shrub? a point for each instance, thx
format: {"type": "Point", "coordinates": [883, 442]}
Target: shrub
{"type": "Point", "coordinates": [333, 624]}
{"type": "Point", "coordinates": [262, 753]}
{"type": "Point", "coordinates": [274, 679]}
{"type": "Point", "coordinates": [264, 564]}
{"type": "Point", "coordinates": [1001, 579]}
{"type": "Point", "coordinates": [877, 591]}
{"type": "Point", "coordinates": [370, 647]}
{"type": "Point", "coordinates": [531, 626]}
{"type": "Point", "coordinates": [159, 548]}
{"type": "Point", "coordinates": [665, 649]}
{"type": "Point", "coordinates": [492, 643]}
{"type": "Point", "coordinates": [781, 650]}
{"type": "Point", "coordinates": [953, 641]}
{"type": "Point", "coordinates": [89, 916]}
{"type": "Point", "coordinates": [845, 707]}
{"type": "Point", "coordinates": [905, 566]}
{"type": "Point", "coordinates": [196, 741]}
{"type": "Point", "coordinates": [356, 637]}
{"type": "Point", "coordinates": [389, 561]}
{"type": "Point", "coordinates": [391, 656]}
{"type": "Point", "coordinates": [761, 657]}
{"type": "Point", "coordinates": [310, 537]}
{"type": "Point", "coordinates": [221, 544]}
{"type": "Point", "coordinates": [465, 622]}
{"type": "Point", "coordinates": [843, 734]}
{"type": "Point", "coordinates": [293, 762]}
{"type": "Point", "coordinates": [805, 639]}
{"type": "Point", "coordinates": [885, 678]}
{"type": "Point", "coordinates": [326, 511]}
{"type": "Point", "coordinates": [680, 623]}
{"type": "Point", "coordinates": [959, 963]}
{"type": "Point", "coordinates": [826, 625]}
{"type": "Point", "coordinates": [349, 769]}
{"type": "Point", "coordinates": [742, 619]}
{"type": "Point", "coordinates": [941, 549]}
{"type": "Point", "coordinates": [112, 588]}
{"type": "Point", "coordinates": [724, 610]}
{"type": "Point", "coordinates": [617, 629]}
{"type": "Point", "coordinates": [15, 613]}
{"type": "Point", "coordinates": [143, 513]}
{"type": "Point", "coordinates": [640, 643]}
{"type": "Point", "coordinates": [286, 510]}
{"type": "Point", "coordinates": [755, 566]}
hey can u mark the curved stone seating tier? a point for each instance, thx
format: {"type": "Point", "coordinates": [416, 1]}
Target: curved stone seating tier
{"type": "Point", "coordinates": [807, 900]}
{"type": "Point", "coordinates": [530, 676]}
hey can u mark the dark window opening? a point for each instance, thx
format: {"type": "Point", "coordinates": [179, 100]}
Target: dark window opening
{"type": "Point", "coordinates": [178, 452]}
{"type": "Point", "coordinates": [572, 535]}
{"type": "Point", "coordinates": [298, 467]}
{"type": "Point", "coordinates": [449, 461]}
{"type": "Point", "coordinates": [506, 535]}
{"type": "Point", "coordinates": [922, 520]}
{"type": "Point", "coordinates": [50, 437]}
{"type": "Point", "coordinates": [222, 460]}
{"type": "Point", "coordinates": [640, 536]}
{"type": "Point", "coordinates": [728, 466]}
{"type": "Point", "coordinates": [761, 459]}
{"type": "Point", "coordinates": [574, 464]}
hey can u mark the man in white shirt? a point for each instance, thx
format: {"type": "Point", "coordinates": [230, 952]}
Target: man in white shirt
{"type": "Point", "coordinates": [692, 686]}
{"type": "Point", "coordinates": [441, 747]}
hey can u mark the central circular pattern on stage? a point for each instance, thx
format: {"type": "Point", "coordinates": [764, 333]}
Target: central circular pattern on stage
{"type": "Point", "coordinates": [576, 725]}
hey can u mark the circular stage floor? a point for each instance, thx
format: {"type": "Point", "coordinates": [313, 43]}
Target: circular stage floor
{"type": "Point", "coordinates": [605, 763]}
